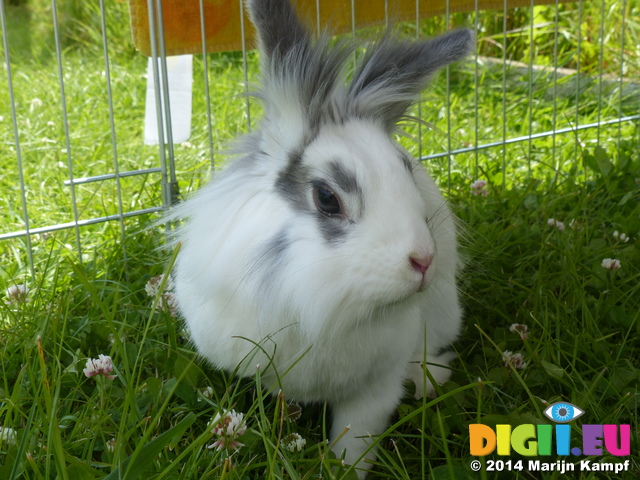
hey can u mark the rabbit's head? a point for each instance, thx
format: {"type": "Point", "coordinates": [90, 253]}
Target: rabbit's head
{"type": "Point", "coordinates": [325, 218]}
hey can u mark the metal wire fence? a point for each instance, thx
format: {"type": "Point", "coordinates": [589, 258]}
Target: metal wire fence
{"type": "Point", "coordinates": [547, 84]}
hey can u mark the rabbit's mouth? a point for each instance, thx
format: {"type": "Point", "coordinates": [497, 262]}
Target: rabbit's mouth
{"type": "Point", "coordinates": [414, 287]}
{"type": "Point", "coordinates": [424, 284]}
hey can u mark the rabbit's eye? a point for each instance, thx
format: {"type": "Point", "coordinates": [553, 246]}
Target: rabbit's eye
{"type": "Point", "coordinates": [326, 201]}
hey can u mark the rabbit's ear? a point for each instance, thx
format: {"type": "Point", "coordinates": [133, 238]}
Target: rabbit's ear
{"type": "Point", "coordinates": [279, 30]}
{"type": "Point", "coordinates": [302, 79]}
{"type": "Point", "coordinates": [395, 72]}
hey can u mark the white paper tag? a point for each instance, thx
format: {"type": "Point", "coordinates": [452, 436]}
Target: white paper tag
{"type": "Point", "coordinates": [180, 79]}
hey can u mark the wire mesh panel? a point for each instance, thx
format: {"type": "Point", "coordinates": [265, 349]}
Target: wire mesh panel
{"type": "Point", "coordinates": [69, 112]}
{"type": "Point", "coordinates": [551, 93]}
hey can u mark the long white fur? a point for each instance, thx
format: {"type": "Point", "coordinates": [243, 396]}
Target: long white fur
{"type": "Point", "coordinates": [351, 317]}
{"type": "Point", "coordinates": [356, 307]}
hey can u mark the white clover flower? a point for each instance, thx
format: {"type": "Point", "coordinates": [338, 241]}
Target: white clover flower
{"type": "Point", "coordinates": [552, 222]}
{"type": "Point", "coordinates": [611, 264]}
{"type": "Point", "coordinates": [8, 436]}
{"type": "Point", "coordinates": [185, 333]}
{"type": "Point", "coordinates": [17, 294]}
{"type": "Point", "coordinates": [293, 442]}
{"type": "Point", "coordinates": [187, 145]}
{"type": "Point", "coordinates": [228, 429]}
{"type": "Point", "coordinates": [51, 124]}
{"type": "Point", "coordinates": [35, 103]}
{"type": "Point", "coordinates": [153, 285]}
{"type": "Point", "coordinates": [515, 359]}
{"type": "Point", "coordinates": [207, 392]}
{"type": "Point", "coordinates": [478, 187]}
{"type": "Point", "coordinates": [521, 329]}
{"type": "Point", "coordinates": [168, 301]}
{"type": "Point", "coordinates": [111, 445]}
{"type": "Point", "coordinates": [102, 365]}
{"type": "Point", "coordinates": [621, 237]}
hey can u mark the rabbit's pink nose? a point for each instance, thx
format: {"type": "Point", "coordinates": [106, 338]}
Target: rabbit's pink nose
{"type": "Point", "coordinates": [421, 263]}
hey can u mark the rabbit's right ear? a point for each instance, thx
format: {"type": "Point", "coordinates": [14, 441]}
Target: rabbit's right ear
{"type": "Point", "coordinates": [394, 72]}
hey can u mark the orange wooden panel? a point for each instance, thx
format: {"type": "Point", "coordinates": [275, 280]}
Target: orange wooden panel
{"type": "Point", "coordinates": [222, 19]}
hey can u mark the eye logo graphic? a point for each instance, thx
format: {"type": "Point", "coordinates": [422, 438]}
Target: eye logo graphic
{"type": "Point", "coordinates": [562, 412]}
{"type": "Point", "coordinates": [531, 440]}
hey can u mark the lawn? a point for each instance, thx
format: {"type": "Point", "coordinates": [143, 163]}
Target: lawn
{"type": "Point", "coordinates": [540, 244]}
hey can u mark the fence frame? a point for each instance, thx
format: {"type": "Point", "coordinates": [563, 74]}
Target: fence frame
{"type": "Point", "coordinates": [166, 154]}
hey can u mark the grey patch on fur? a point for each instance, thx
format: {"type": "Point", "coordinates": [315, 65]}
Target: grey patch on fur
{"type": "Point", "coordinates": [343, 178]}
{"type": "Point", "coordinates": [333, 229]}
{"type": "Point", "coordinates": [276, 247]}
{"type": "Point", "coordinates": [408, 161]}
{"type": "Point", "coordinates": [270, 259]}
{"type": "Point", "coordinates": [407, 164]}
{"type": "Point", "coordinates": [347, 182]}
{"type": "Point", "coordinates": [293, 183]}
{"type": "Point", "coordinates": [293, 180]}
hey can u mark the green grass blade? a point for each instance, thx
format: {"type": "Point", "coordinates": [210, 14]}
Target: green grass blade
{"type": "Point", "coordinates": [145, 455]}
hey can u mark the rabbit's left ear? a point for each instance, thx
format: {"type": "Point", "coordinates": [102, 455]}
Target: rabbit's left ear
{"type": "Point", "coordinates": [280, 33]}
{"type": "Point", "coordinates": [302, 79]}
{"type": "Point", "coordinates": [395, 72]}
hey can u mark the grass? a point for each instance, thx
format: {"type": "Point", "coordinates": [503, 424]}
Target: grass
{"type": "Point", "coordinates": [152, 419]}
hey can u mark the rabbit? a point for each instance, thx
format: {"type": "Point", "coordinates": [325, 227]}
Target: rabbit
{"type": "Point", "coordinates": [324, 254]}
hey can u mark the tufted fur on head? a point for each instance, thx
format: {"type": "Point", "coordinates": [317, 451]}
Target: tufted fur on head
{"type": "Point", "coordinates": [303, 80]}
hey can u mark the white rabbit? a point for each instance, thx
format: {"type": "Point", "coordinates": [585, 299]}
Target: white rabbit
{"type": "Point", "coordinates": [326, 242]}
